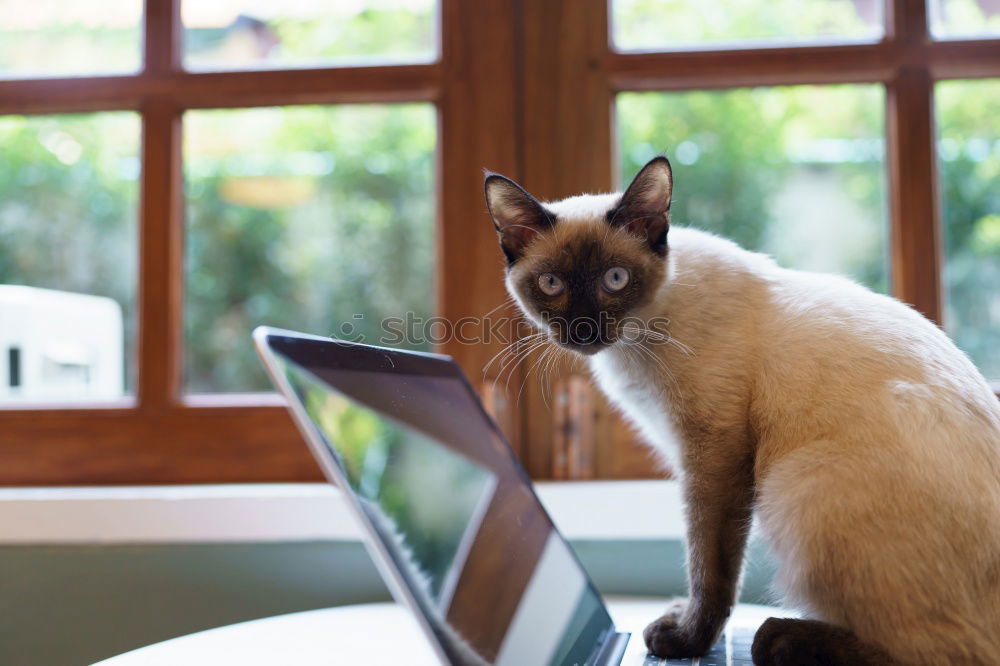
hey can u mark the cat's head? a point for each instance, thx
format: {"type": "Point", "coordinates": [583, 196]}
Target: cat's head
{"type": "Point", "coordinates": [580, 268]}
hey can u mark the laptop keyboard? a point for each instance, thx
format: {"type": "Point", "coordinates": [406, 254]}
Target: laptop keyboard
{"type": "Point", "coordinates": [733, 649]}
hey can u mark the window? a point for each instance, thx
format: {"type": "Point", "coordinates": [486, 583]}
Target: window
{"type": "Point", "coordinates": [958, 19]}
{"type": "Point", "coordinates": [669, 25]}
{"type": "Point", "coordinates": [316, 218]}
{"type": "Point", "coordinates": [969, 176]}
{"type": "Point", "coordinates": [249, 34]}
{"type": "Point", "coordinates": [189, 170]}
{"type": "Point", "coordinates": [69, 38]}
{"type": "Point", "coordinates": [69, 188]}
{"type": "Point", "coordinates": [797, 172]}
{"type": "Point", "coordinates": [171, 186]}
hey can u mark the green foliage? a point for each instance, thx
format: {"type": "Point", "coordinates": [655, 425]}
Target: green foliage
{"type": "Point", "coordinates": [68, 198]}
{"type": "Point", "coordinates": [336, 34]}
{"type": "Point", "coordinates": [969, 153]}
{"type": "Point", "coordinates": [726, 134]}
{"type": "Point", "coordinates": [666, 24]}
{"type": "Point", "coordinates": [358, 241]}
{"type": "Point", "coordinates": [68, 49]}
{"type": "Point", "coordinates": [363, 34]}
{"type": "Point", "coordinates": [796, 172]}
{"type": "Point", "coordinates": [964, 18]}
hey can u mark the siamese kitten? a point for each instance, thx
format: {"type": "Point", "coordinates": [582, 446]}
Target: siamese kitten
{"type": "Point", "coordinates": [867, 444]}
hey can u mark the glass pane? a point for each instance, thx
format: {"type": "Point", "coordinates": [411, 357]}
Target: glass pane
{"type": "Point", "coordinates": [797, 172]}
{"type": "Point", "coordinates": [668, 25]}
{"type": "Point", "coordinates": [245, 34]}
{"type": "Point", "coordinates": [68, 202]}
{"type": "Point", "coordinates": [951, 19]}
{"type": "Point", "coordinates": [969, 162]}
{"type": "Point", "coordinates": [312, 218]}
{"type": "Point", "coordinates": [69, 37]}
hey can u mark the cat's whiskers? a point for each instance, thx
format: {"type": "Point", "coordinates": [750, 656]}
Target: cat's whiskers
{"type": "Point", "coordinates": [504, 351]}
{"type": "Point", "coordinates": [660, 363]}
{"type": "Point", "coordinates": [514, 353]}
{"type": "Point", "coordinates": [515, 343]}
{"type": "Point", "coordinates": [509, 301]}
{"type": "Point", "coordinates": [639, 345]}
{"type": "Point", "coordinates": [548, 355]}
{"type": "Point", "coordinates": [509, 348]}
{"type": "Point", "coordinates": [558, 354]}
{"type": "Point", "coordinates": [680, 345]}
{"type": "Point", "coordinates": [511, 367]}
{"type": "Point", "coordinates": [521, 342]}
{"type": "Point", "coordinates": [527, 373]}
{"type": "Point", "coordinates": [545, 375]}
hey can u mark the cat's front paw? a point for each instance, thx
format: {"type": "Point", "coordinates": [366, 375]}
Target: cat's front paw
{"type": "Point", "coordinates": [783, 641]}
{"type": "Point", "coordinates": [668, 637]}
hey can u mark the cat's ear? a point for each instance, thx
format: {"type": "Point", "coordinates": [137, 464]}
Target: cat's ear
{"type": "Point", "coordinates": [517, 215]}
{"type": "Point", "coordinates": [644, 209]}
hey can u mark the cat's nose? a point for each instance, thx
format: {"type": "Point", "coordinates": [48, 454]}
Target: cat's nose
{"type": "Point", "coordinates": [584, 331]}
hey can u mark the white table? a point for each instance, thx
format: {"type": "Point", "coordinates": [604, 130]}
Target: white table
{"type": "Point", "coordinates": [354, 635]}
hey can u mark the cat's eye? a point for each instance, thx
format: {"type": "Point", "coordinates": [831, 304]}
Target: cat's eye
{"type": "Point", "coordinates": [550, 284]}
{"type": "Point", "coordinates": [615, 279]}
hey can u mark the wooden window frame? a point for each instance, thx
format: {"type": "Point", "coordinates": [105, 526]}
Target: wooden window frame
{"type": "Point", "coordinates": [524, 88]}
{"type": "Point", "coordinates": [161, 435]}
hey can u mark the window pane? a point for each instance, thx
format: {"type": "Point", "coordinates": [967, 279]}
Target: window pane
{"type": "Point", "coordinates": [951, 19]}
{"type": "Point", "coordinates": [969, 161]}
{"type": "Point", "coordinates": [244, 34]}
{"type": "Point", "coordinates": [314, 218]}
{"type": "Point", "coordinates": [69, 37]}
{"type": "Point", "coordinates": [68, 201]}
{"type": "Point", "coordinates": [796, 172]}
{"type": "Point", "coordinates": [667, 25]}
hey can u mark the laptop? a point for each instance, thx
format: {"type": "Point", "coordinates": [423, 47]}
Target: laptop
{"type": "Point", "coordinates": [453, 523]}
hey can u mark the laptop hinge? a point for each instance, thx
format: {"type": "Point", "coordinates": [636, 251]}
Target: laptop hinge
{"type": "Point", "coordinates": [612, 651]}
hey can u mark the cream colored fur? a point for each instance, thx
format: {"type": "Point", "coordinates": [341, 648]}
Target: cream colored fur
{"type": "Point", "coordinates": [877, 442]}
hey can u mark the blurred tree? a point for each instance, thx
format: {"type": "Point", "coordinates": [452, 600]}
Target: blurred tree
{"type": "Point", "coordinates": [969, 183]}
{"type": "Point", "coordinates": [796, 172]}
{"type": "Point", "coordinates": [670, 24]}
{"type": "Point", "coordinates": [68, 197]}
{"type": "Point", "coordinates": [327, 213]}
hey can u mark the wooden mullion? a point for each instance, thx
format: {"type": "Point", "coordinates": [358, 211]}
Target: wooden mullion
{"type": "Point", "coordinates": [914, 226]}
{"type": "Point", "coordinates": [907, 43]}
{"type": "Point", "coordinates": [71, 95]}
{"type": "Point", "coordinates": [224, 89]}
{"type": "Point", "coordinates": [907, 24]}
{"type": "Point", "coordinates": [915, 234]}
{"type": "Point", "coordinates": [855, 63]}
{"type": "Point", "coordinates": [160, 235]}
{"type": "Point", "coordinates": [161, 266]}
{"type": "Point", "coordinates": [965, 59]}
{"type": "Point", "coordinates": [626, 71]}
{"type": "Point", "coordinates": [162, 37]}
{"type": "Point", "coordinates": [477, 129]}
{"type": "Point", "coordinates": [399, 83]}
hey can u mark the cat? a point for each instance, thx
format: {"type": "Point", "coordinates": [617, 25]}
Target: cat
{"type": "Point", "coordinates": [865, 442]}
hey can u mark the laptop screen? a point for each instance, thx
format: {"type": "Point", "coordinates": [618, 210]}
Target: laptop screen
{"type": "Point", "coordinates": [448, 501]}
